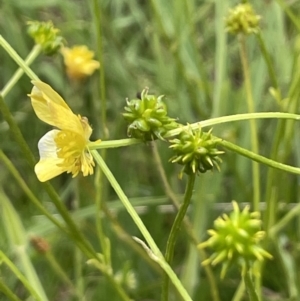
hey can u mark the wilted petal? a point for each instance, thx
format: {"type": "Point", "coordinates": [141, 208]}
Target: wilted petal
{"type": "Point", "coordinates": [48, 166]}
{"type": "Point", "coordinates": [47, 146]}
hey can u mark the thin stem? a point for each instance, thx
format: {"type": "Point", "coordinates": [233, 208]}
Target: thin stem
{"type": "Point", "coordinates": [159, 166]}
{"type": "Point", "coordinates": [99, 226]}
{"type": "Point", "coordinates": [36, 50]}
{"type": "Point", "coordinates": [253, 126]}
{"type": "Point", "coordinates": [175, 231]}
{"type": "Point", "coordinates": [78, 258]}
{"type": "Point", "coordinates": [125, 237]}
{"type": "Point", "coordinates": [231, 118]}
{"type": "Point", "coordinates": [284, 221]}
{"type": "Point", "coordinates": [78, 274]}
{"type": "Point", "coordinates": [294, 18]}
{"type": "Point", "coordinates": [28, 192]}
{"type": "Point", "coordinates": [99, 37]}
{"type": "Point", "coordinates": [202, 124]}
{"type": "Point", "coordinates": [258, 158]}
{"type": "Point", "coordinates": [99, 181]}
{"type": "Point", "coordinates": [59, 271]}
{"type": "Point", "coordinates": [186, 223]}
{"type": "Point", "coordinates": [108, 273]}
{"type": "Point", "coordinates": [250, 287]}
{"type": "Point", "coordinates": [282, 140]}
{"type": "Point", "coordinates": [268, 60]}
{"type": "Point", "coordinates": [16, 132]}
{"type": "Point", "coordinates": [154, 251]}
{"type": "Point", "coordinates": [220, 55]}
{"type": "Point", "coordinates": [6, 291]}
{"type": "Point", "coordinates": [14, 55]}
{"type": "Point", "coordinates": [239, 293]}
{"type": "Point", "coordinates": [20, 276]}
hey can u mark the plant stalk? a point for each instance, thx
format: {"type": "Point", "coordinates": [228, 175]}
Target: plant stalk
{"type": "Point", "coordinates": [175, 231]}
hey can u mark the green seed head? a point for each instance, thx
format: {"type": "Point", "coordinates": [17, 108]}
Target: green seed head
{"type": "Point", "coordinates": [196, 150]}
{"type": "Point", "coordinates": [45, 35]}
{"type": "Point", "coordinates": [242, 19]}
{"type": "Point", "coordinates": [147, 117]}
{"type": "Point", "coordinates": [235, 240]}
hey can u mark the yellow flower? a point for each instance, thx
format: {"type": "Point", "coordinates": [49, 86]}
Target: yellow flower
{"type": "Point", "coordinates": [64, 149]}
{"type": "Point", "coordinates": [79, 61]}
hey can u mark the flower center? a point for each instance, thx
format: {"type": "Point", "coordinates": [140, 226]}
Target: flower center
{"type": "Point", "coordinates": [71, 147]}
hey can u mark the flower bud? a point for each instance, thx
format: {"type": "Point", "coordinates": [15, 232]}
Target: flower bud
{"type": "Point", "coordinates": [45, 35]}
{"type": "Point", "coordinates": [147, 117]}
{"type": "Point", "coordinates": [235, 240]}
{"type": "Point", "coordinates": [196, 150]}
{"type": "Point", "coordinates": [242, 19]}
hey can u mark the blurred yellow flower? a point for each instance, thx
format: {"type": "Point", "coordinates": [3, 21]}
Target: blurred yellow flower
{"type": "Point", "coordinates": [64, 149]}
{"type": "Point", "coordinates": [79, 61]}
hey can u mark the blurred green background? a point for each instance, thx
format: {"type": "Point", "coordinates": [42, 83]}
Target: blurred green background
{"type": "Point", "coordinates": [179, 49]}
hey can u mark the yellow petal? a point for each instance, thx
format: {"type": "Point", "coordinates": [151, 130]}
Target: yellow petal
{"type": "Point", "coordinates": [51, 108]}
{"type": "Point", "coordinates": [49, 93]}
{"type": "Point", "coordinates": [48, 168]}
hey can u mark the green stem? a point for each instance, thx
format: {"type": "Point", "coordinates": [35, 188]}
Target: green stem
{"type": "Point", "coordinates": [294, 18]}
{"type": "Point", "coordinates": [154, 251]}
{"type": "Point", "coordinates": [253, 126]}
{"type": "Point", "coordinates": [221, 8]}
{"type": "Point", "coordinates": [186, 223]}
{"type": "Point", "coordinates": [28, 192]}
{"type": "Point", "coordinates": [285, 220]}
{"type": "Point", "coordinates": [99, 226]}
{"type": "Point", "coordinates": [268, 61]}
{"type": "Point", "coordinates": [16, 132]}
{"type": "Point", "coordinates": [175, 231]}
{"type": "Point", "coordinates": [79, 282]}
{"type": "Point", "coordinates": [6, 291]}
{"type": "Point", "coordinates": [202, 124]}
{"type": "Point", "coordinates": [282, 141]}
{"type": "Point", "coordinates": [59, 271]}
{"type": "Point", "coordinates": [108, 273]}
{"type": "Point", "coordinates": [239, 293]}
{"type": "Point", "coordinates": [258, 158]}
{"type": "Point", "coordinates": [99, 181]}
{"type": "Point", "coordinates": [36, 50]}
{"type": "Point", "coordinates": [78, 257]}
{"type": "Point", "coordinates": [231, 118]}
{"type": "Point", "coordinates": [250, 287]}
{"type": "Point", "coordinates": [14, 55]}
{"type": "Point", "coordinates": [126, 238]}
{"type": "Point", "coordinates": [99, 37]}
{"type": "Point", "coordinates": [20, 276]}
{"type": "Point", "coordinates": [159, 166]}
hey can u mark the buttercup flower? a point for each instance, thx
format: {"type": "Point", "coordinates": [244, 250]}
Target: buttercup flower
{"type": "Point", "coordinates": [79, 61]}
{"type": "Point", "coordinates": [64, 149]}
